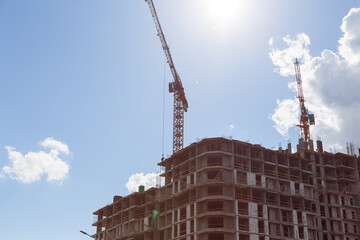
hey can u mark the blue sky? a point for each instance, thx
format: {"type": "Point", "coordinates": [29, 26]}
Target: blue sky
{"type": "Point", "coordinates": [89, 76]}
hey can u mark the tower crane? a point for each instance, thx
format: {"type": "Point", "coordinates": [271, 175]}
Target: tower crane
{"type": "Point", "coordinates": [176, 87]}
{"type": "Point", "coordinates": [306, 119]}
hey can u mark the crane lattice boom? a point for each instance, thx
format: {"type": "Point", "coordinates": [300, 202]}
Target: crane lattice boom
{"type": "Point", "coordinates": [180, 102]}
{"type": "Point", "coordinates": [306, 119]}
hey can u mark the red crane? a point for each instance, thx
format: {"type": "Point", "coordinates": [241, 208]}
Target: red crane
{"type": "Point", "coordinates": [176, 87]}
{"type": "Point", "coordinates": [306, 119]}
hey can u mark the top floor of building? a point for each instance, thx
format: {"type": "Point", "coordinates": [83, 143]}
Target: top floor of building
{"type": "Point", "coordinates": [234, 154]}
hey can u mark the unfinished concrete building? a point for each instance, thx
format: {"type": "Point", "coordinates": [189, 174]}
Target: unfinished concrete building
{"type": "Point", "coordinates": [222, 189]}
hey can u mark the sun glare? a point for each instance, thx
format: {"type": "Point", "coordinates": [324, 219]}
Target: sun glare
{"type": "Point", "coordinates": [220, 18]}
{"type": "Point", "coordinates": [223, 10]}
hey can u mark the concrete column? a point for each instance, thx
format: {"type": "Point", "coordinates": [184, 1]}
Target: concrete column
{"type": "Point", "coordinates": [266, 227]}
{"type": "Point", "coordinates": [188, 211]}
{"type": "Point", "coordinates": [254, 237]}
{"type": "Point", "coordinates": [292, 187]}
{"type": "Point", "coordinates": [295, 220]}
{"type": "Point", "coordinates": [266, 222]}
{"type": "Point", "coordinates": [195, 228]}
{"type": "Point", "coordinates": [265, 212]}
{"type": "Point", "coordinates": [188, 227]}
{"type": "Point", "coordinates": [253, 221]}
{"type": "Point", "coordinates": [235, 178]}
{"type": "Point", "coordinates": [195, 235]}
{"type": "Point", "coordinates": [304, 219]}
{"type": "Point", "coordinates": [178, 229]}
{"type": "Point", "coordinates": [263, 181]}
{"type": "Point", "coordinates": [172, 226]}
{"type": "Point", "coordinates": [296, 231]}
{"type": "Point", "coordinates": [236, 217]}
{"type": "Point", "coordinates": [296, 227]}
{"type": "Point", "coordinates": [253, 225]}
{"type": "Point", "coordinates": [302, 191]}
{"type": "Point", "coordinates": [334, 212]}
{"type": "Point", "coordinates": [146, 223]}
{"type": "Point", "coordinates": [253, 209]}
{"type": "Point", "coordinates": [306, 233]}
{"type": "Point", "coordinates": [251, 179]}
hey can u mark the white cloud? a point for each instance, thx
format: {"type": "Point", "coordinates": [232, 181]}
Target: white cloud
{"type": "Point", "coordinates": [350, 43]}
{"type": "Point", "coordinates": [330, 83]}
{"type": "Point", "coordinates": [149, 180]}
{"type": "Point", "coordinates": [271, 41]}
{"type": "Point", "coordinates": [283, 59]}
{"type": "Point", "coordinates": [31, 166]}
{"type": "Point", "coordinates": [285, 116]}
{"type": "Point", "coordinates": [231, 126]}
{"type": "Point", "coordinates": [55, 145]}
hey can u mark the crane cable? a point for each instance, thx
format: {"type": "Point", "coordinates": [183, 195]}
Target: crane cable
{"type": "Point", "coordinates": [163, 130]}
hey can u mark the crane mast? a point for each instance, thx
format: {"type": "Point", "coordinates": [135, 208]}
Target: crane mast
{"type": "Point", "coordinates": [180, 102]}
{"type": "Point", "coordinates": [306, 119]}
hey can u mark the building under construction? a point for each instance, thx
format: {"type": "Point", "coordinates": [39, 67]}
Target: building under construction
{"type": "Point", "coordinates": [224, 189]}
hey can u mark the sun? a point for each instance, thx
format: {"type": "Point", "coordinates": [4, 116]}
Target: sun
{"type": "Point", "coordinates": [223, 10]}
{"type": "Point", "coordinates": [221, 18]}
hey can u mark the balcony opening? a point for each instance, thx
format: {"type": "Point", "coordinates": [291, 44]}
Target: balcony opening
{"type": "Point", "coordinates": [299, 217]}
{"type": "Point", "coordinates": [175, 230]}
{"type": "Point", "coordinates": [216, 175]}
{"type": "Point", "coordinates": [301, 232]}
{"type": "Point", "coordinates": [243, 224]}
{"type": "Point", "coordinates": [216, 236]}
{"type": "Point", "coordinates": [260, 211]}
{"type": "Point", "coordinates": [215, 190]}
{"type": "Point", "coordinates": [216, 222]}
{"type": "Point", "coordinates": [323, 225]}
{"type": "Point", "coordinates": [182, 213]}
{"type": "Point", "coordinates": [261, 226]}
{"type": "Point", "coordinates": [288, 231]}
{"type": "Point", "coordinates": [215, 206]}
{"type": "Point", "coordinates": [286, 216]}
{"type": "Point", "coordinates": [182, 229]}
{"type": "Point", "coordinates": [214, 161]}
{"type": "Point", "coordinates": [243, 208]}
{"type": "Point", "coordinates": [244, 237]}
{"type": "Point", "coordinates": [242, 150]}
